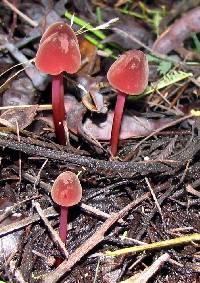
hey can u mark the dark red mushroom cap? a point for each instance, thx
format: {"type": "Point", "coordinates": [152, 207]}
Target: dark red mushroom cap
{"type": "Point", "coordinates": [58, 50]}
{"type": "Point", "coordinates": [129, 73]}
{"type": "Point", "coordinates": [66, 190]}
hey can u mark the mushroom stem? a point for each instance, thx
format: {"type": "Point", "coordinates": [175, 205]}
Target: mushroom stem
{"type": "Point", "coordinates": [119, 109]}
{"type": "Point", "coordinates": [63, 223]}
{"type": "Point", "coordinates": [58, 107]}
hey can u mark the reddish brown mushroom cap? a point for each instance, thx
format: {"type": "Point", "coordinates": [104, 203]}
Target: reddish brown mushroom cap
{"type": "Point", "coordinates": [66, 190]}
{"type": "Point", "coordinates": [58, 50]}
{"type": "Point", "coordinates": [129, 73]}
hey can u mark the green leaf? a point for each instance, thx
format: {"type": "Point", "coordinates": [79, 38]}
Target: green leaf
{"type": "Point", "coordinates": [196, 41]}
{"type": "Point", "coordinates": [164, 67]}
{"type": "Point", "coordinates": [169, 79]}
{"type": "Point", "coordinates": [98, 33]}
{"type": "Point", "coordinates": [86, 25]}
{"type": "Point", "coordinates": [156, 21]}
{"type": "Point", "coordinates": [98, 15]}
{"type": "Point", "coordinates": [152, 58]}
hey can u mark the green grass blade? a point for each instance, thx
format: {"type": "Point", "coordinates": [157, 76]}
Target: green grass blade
{"type": "Point", "coordinates": [156, 245]}
{"type": "Point", "coordinates": [80, 22]}
{"type": "Point", "coordinates": [169, 79]}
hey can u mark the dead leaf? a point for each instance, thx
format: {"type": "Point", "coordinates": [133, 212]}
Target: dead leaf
{"type": "Point", "coordinates": [132, 126]}
{"type": "Point", "coordinates": [23, 117]}
{"type": "Point", "coordinates": [10, 242]}
{"type": "Point", "coordinates": [174, 36]}
{"type": "Point", "coordinates": [21, 92]}
{"type": "Point", "coordinates": [130, 29]}
{"type": "Point", "coordinates": [99, 126]}
{"type": "Point", "coordinates": [90, 60]}
{"type": "Point", "coordinates": [91, 95]}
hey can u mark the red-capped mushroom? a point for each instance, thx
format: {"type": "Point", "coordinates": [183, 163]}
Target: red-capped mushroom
{"type": "Point", "coordinates": [66, 191]}
{"type": "Point", "coordinates": [58, 52]}
{"type": "Point", "coordinates": [129, 76]}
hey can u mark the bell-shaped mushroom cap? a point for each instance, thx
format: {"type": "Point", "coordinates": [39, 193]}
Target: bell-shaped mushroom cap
{"type": "Point", "coordinates": [129, 74]}
{"type": "Point", "coordinates": [58, 50]}
{"type": "Point", "coordinates": [66, 190]}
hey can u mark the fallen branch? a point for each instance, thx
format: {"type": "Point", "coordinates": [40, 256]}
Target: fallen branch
{"type": "Point", "coordinates": [128, 169]}
{"type": "Point", "coordinates": [22, 15]}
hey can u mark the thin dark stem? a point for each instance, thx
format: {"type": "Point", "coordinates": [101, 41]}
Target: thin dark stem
{"type": "Point", "coordinates": [119, 109]}
{"type": "Point", "coordinates": [58, 107]}
{"type": "Point", "coordinates": [14, 20]}
{"type": "Point", "coordinates": [63, 223]}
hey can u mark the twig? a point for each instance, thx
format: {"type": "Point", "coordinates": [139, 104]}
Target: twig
{"type": "Point", "coordinates": [149, 271]}
{"type": "Point", "coordinates": [192, 191]}
{"type": "Point", "coordinates": [155, 199]}
{"type": "Point", "coordinates": [14, 21]}
{"type": "Point", "coordinates": [32, 179]}
{"type": "Point", "coordinates": [162, 197]}
{"type": "Point", "coordinates": [170, 124]}
{"type": "Point", "coordinates": [96, 271]}
{"type": "Point", "coordinates": [50, 260]}
{"type": "Point", "coordinates": [16, 272]}
{"type": "Point", "coordinates": [54, 235]}
{"type": "Point", "coordinates": [140, 243]}
{"type": "Point", "coordinates": [195, 82]}
{"type": "Point", "coordinates": [20, 160]}
{"type": "Point", "coordinates": [37, 179]}
{"type": "Point", "coordinates": [42, 107]}
{"type": "Point", "coordinates": [97, 211]}
{"type": "Point", "coordinates": [38, 79]}
{"type": "Point", "coordinates": [22, 15]}
{"type": "Point", "coordinates": [10, 228]}
{"type": "Point", "coordinates": [150, 50]}
{"type": "Point", "coordinates": [9, 210]}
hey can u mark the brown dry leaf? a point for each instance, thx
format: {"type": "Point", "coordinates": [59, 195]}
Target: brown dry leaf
{"type": "Point", "coordinates": [23, 117]}
{"type": "Point", "coordinates": [10, 242]}
{"type": "Point", "coordinates": [91, 95]}
{"type": "Point", "coordinates": [132, 126]}
{"type": "Point", "coordinates": [125, 30]}
{"type": "Point", "coordinates": [99, 127]}
{"type": "Point", "coordinates": [74, 114]}
{"type": "Point", "coordinates": [20, 92]}
{"type": "Point", "coordinates": [174, 36]}
{"type": "Point", "coordinates": [91, 62]}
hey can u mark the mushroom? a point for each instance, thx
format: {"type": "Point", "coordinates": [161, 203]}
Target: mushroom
{"type": "Point", "coordinates": [58, 52]}
{"type": "Point", "coordinates": [129, 76]}
{"type": "Point", "coordinates": [66, 191]}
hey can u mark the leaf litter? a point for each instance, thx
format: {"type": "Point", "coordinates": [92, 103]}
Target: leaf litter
{"type": "Point", "coordinates": [159, 143]}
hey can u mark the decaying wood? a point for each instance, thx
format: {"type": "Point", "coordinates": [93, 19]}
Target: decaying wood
{"type": "Point", "coordinates": [94, 165]}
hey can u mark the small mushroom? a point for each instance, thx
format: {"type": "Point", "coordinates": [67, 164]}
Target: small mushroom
{"type": "Point", "coordinates": [58, 52]}
{"type": "Point", "coordinates": [66, 191]}
{"type": "Point", "coordinates": [129, 76]}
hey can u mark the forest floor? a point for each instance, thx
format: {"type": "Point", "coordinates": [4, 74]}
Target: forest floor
{"type": "Point", "coordinates": [147, 198]}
